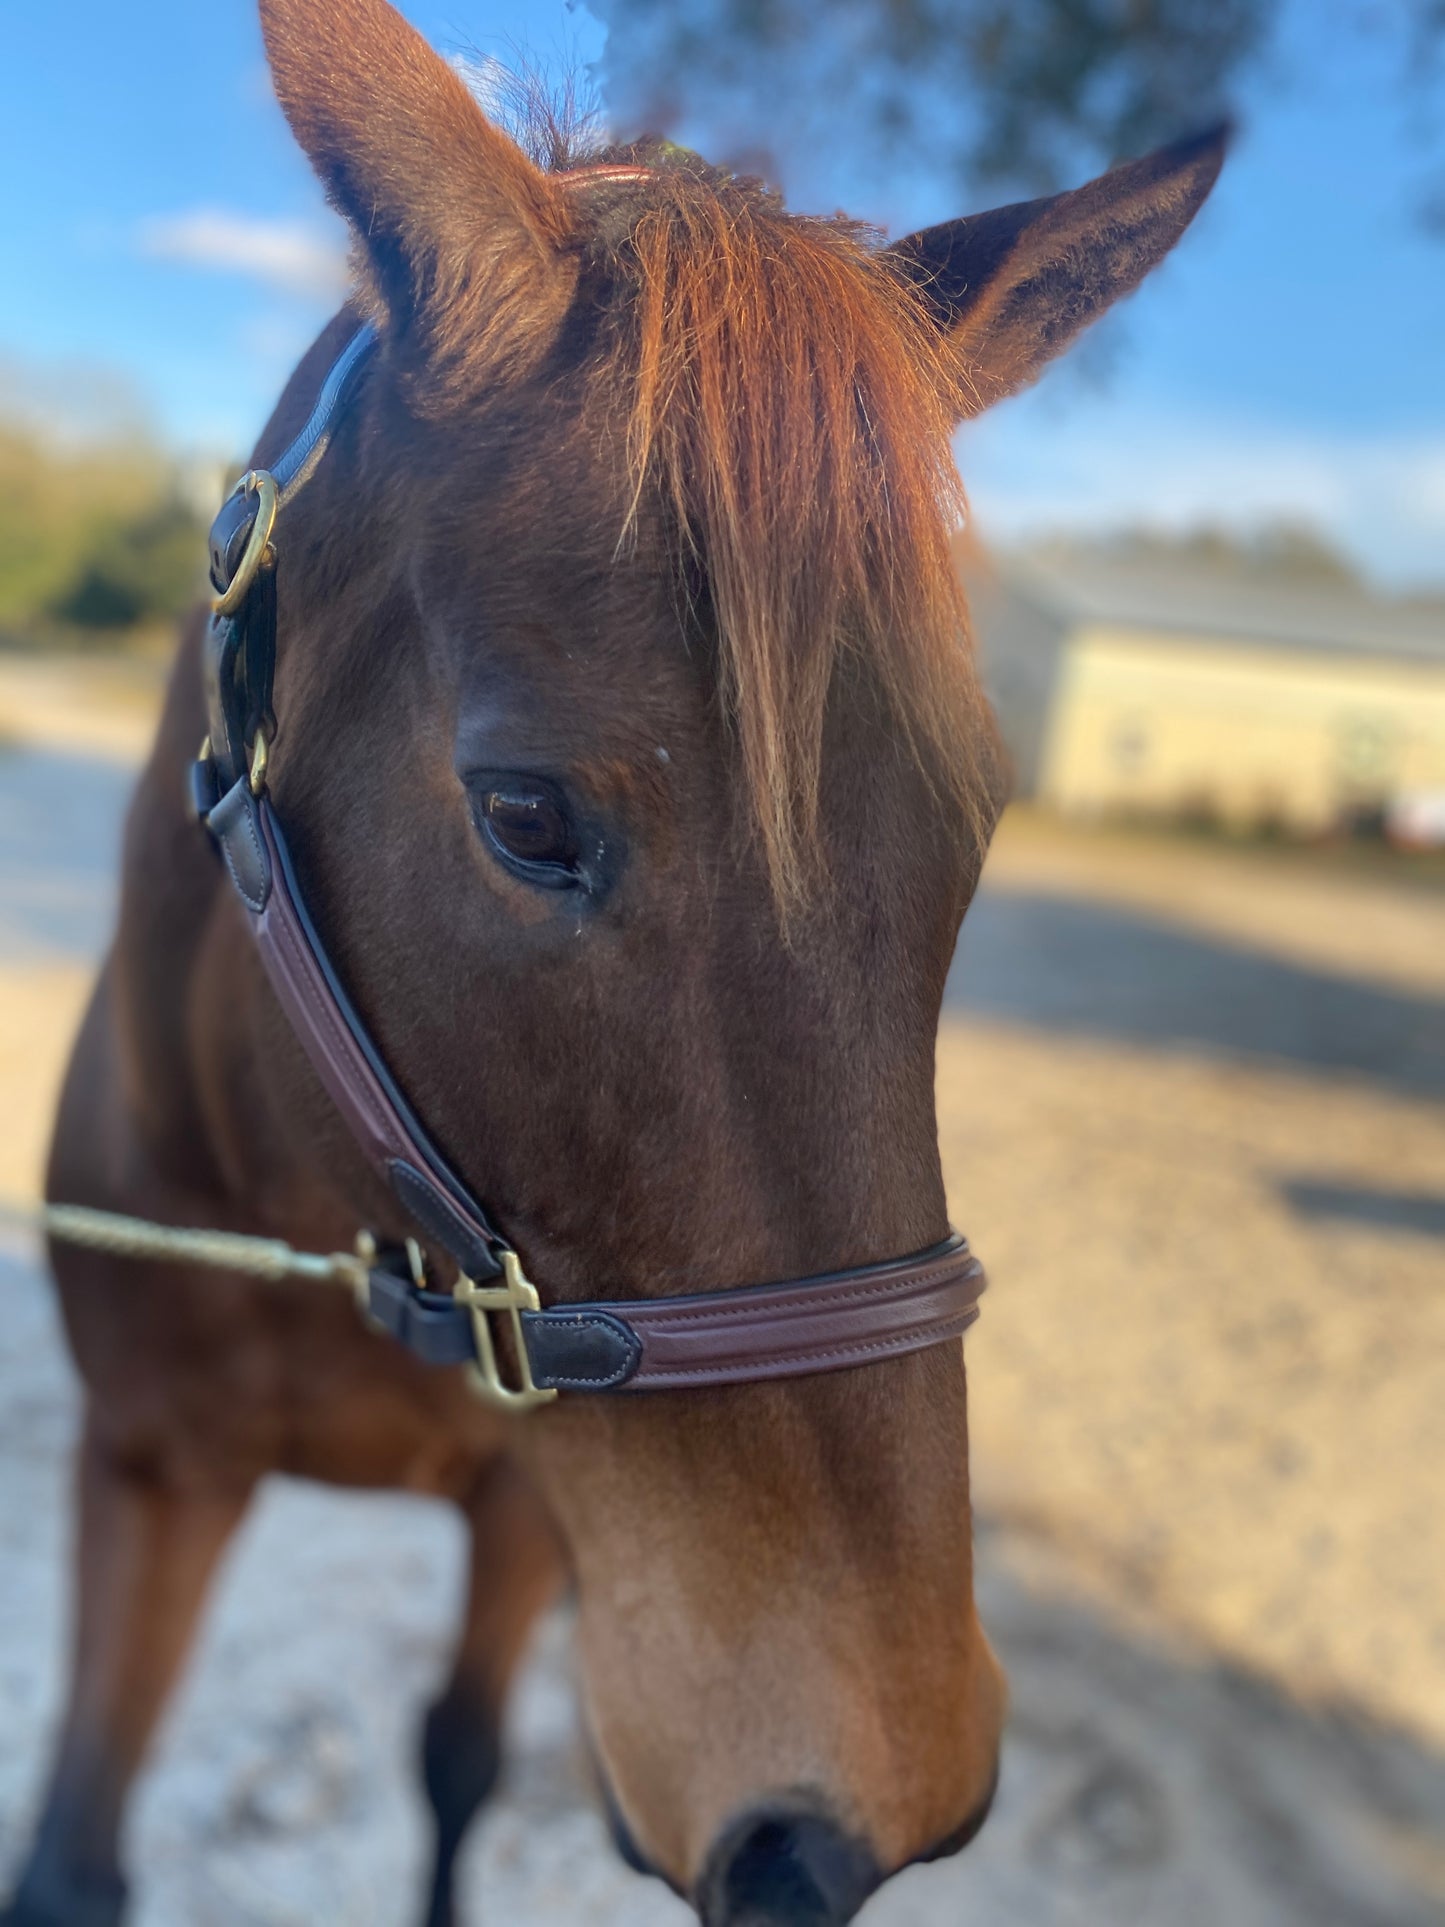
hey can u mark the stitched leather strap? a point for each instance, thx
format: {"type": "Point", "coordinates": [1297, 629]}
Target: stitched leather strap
{"type": "Point", "coordinates": [740, 1337]}
{"type": "Point", "coordinates": [332, 1035]}
{"type": "Point", "coordinates": [293, 469]}
{"type": "Point", "coordinates": [240, 649]}
{"type": "Point", "coordinates": [823, 1324]}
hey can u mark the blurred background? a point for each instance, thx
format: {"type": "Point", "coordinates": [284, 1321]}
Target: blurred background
{"type": "Point", "coordinates": [1192, 1061]}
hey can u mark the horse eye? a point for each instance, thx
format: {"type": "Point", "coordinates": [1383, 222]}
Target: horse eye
{"type": "Point", "coordinates": [529, 827]}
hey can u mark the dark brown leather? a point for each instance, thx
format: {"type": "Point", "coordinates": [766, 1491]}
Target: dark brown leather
{"type": "Point", "coordinates": [822, 1324]}
{"type": "Point", "coordinates": [814, 1325]}
{"type": "Point", "coordinates": [332, 1037]}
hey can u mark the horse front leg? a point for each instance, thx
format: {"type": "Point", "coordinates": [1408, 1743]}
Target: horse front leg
{"type": "Point", "coordinates": [516, 1571]}
{"type": "Point", "coordinates": [148, 1545]}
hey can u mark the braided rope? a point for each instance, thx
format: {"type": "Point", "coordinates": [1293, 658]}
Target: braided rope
{"type": "Point", "coordinates": [267, 1258]}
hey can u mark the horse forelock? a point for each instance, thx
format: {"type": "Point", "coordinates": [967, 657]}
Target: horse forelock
{"type": "Point", "coordinates": [789, 407]}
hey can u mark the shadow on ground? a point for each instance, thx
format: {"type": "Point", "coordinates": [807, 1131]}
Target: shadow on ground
{"type": "Point", "coordinates": [1147, 1783]}
{"type": "Point", "coordinates": [1315, 1199]}
{"type": "Point", "coordinates": [1092, 969]}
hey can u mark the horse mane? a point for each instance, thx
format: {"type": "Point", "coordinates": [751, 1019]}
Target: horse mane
{"type": "Point", "coordinates": [790, 403]}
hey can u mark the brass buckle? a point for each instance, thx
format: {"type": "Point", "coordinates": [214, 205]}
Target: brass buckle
{"type": "Point", "coordinates": [258, 762]}
{"type": "Point", "coordinates": [514, 1295]}
{"type": "Point", "coordinates": [260, 483]}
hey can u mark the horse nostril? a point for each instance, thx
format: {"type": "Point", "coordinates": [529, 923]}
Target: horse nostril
{"type": "Point", "coordinates": [798, 1869]}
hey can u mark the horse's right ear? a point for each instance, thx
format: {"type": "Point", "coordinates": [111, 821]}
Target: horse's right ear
{"type": "Point", "coordinates": [1013, 287]}
{"type": "Point", "coordinates": [441, 202]}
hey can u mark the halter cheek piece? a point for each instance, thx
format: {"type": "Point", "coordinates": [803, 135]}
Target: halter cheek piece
{"type": "Point", "coordinates": [733, 1337]}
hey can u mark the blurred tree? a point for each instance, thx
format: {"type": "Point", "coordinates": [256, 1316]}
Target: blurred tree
{"type": "Point", "coordinates": [140, 568]}
{"type": "Point", "coordinates": [1275, 551]}
{"type": "Point", "coordinates": [1038, 85]}
{"type": "Point", "coordinates": [96, 538]}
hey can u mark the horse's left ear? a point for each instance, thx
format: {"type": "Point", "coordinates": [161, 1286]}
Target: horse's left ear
{"type": "Point", "coordinates": [446, 209]}
{"type": "Point", "coordinates": [1013, 287]}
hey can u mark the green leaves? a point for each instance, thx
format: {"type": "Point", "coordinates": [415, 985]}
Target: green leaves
{"type": "Point", "coordinates": [1028, 94]}
{"type": "Point", "coordinates": [1042, 89]}
{"type": "Point", "coordinates": [95, 539]}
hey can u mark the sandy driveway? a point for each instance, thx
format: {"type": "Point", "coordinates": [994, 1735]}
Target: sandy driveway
{"type": "Point", "coordinates": [1202, 1152]}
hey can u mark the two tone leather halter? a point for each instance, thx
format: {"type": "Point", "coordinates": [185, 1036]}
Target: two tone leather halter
{"type": "Point", "coordinates": [755, 1332]}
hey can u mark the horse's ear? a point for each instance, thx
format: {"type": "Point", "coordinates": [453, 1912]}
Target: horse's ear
{"type": "Point", "coordinates": [1014, 286]}
{"type": "Point", "coordinates": [438, 198]}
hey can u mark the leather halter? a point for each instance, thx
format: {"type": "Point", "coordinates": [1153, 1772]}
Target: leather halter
{"type": "Point", "coordinates": [755, 1332]}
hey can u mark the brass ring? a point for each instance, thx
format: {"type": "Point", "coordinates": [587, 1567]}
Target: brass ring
{"type": "Point", "coordinates": [262, 485]}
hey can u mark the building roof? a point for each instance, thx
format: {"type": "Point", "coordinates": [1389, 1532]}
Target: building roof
{"type": "Point", "coordinates": [1201, 602]}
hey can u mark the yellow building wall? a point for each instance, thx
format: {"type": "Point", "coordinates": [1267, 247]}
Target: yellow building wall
{"type": "Point", "coordinates": [1247, 733]}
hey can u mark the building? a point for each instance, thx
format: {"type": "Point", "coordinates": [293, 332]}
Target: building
{"type": "Point", "coordinates": [1137, 682]}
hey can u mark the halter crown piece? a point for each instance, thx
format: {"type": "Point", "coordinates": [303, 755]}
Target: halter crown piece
{"type": "Point", "coordinates": [731, 1337]}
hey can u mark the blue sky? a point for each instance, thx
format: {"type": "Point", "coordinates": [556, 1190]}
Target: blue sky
{"type": "Point", "coordinates": [1289, 360]}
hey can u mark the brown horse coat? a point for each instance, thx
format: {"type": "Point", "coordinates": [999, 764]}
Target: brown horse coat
{"type": "Point", "coordinates": [644, 507]}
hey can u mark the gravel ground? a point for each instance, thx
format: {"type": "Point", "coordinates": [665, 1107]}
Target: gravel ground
{"type": "Point", "coordinates": [1200, 1144]}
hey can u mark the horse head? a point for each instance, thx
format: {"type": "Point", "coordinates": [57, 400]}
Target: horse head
{"type": "Point", "coordinates": [636, 761]}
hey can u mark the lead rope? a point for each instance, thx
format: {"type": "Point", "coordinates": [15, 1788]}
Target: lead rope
{"type": "Point", "coordinates": [268, 1258]}
{"type": "Point", "coordinates": [276, 1262]}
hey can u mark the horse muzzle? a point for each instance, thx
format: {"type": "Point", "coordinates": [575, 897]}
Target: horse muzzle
{"type": "Point", "coordinates": [782, 1868]}
{"type": "Point", "coordinates": [774, 1868]}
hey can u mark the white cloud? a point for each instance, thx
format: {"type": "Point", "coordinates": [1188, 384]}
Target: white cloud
{"type": "Point", "coordinates": [294, 256]}
{"type": "Point", "coordinates": [1040, 468]}
{"type": "Point", "coordinates": [71, 403]}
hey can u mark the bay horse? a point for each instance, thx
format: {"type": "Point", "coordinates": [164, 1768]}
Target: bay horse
{"type": "Point", "coordinates": [636, 767]}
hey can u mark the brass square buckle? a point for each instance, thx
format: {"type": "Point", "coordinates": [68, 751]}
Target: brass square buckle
{"type": "Point", "coordinates": [514, 1295]}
